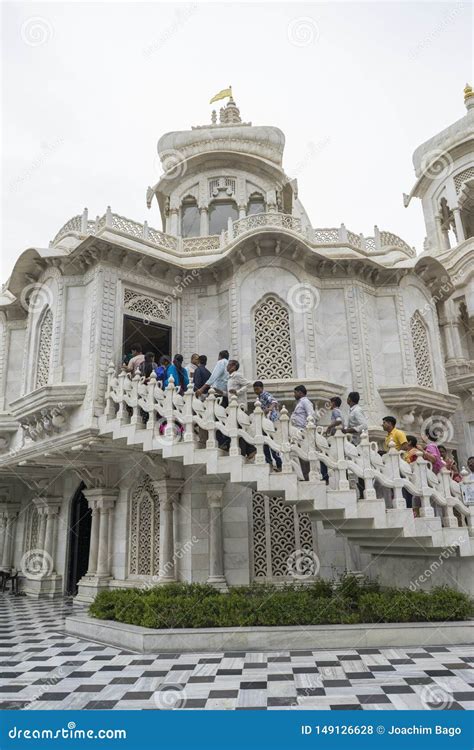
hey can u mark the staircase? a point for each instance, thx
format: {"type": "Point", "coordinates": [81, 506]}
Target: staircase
{"type": "Point", "coordinates": [183, 428]}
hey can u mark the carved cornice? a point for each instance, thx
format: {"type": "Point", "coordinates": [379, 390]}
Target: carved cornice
{"type": "Point", "coordinates": [44, 412]}
{"type": "Point", "coordinates": [418, 399]}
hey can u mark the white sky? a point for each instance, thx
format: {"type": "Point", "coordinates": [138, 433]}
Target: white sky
{"type": "Point", "coordinates": [83, 110]}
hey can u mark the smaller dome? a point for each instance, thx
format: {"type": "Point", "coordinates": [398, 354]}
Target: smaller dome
{"type": "Point", "coordinates": [266, 142]}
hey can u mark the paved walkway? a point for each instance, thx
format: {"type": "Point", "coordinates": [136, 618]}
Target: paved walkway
{"type": "Point", "coordinates": [43, 668]}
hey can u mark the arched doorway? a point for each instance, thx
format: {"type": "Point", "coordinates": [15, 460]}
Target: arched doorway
{"type": "Point", "coordinates": [79, 540]}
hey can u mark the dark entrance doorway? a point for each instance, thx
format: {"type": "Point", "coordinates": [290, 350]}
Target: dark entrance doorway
{"type": "Point", "coordinates": [79, 540]}
{"type": "Point", "coordinates": [153, 337]}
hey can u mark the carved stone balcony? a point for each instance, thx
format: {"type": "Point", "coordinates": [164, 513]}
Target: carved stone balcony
{"type": "Point", "coordinates": [81, 226]}
{"type": "Point", "coordinates": [418, 400]}
{"type": "Point", "coordinates": [45, 411]}
{"type": "Point", "coordinates": [8, 427]}
{"type": "Point", "coordinates": [319, 391]}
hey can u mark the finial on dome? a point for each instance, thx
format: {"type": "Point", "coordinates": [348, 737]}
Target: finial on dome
{"type": "Point", "coordinates": [468, 96]}
{"type": "Point", "coordinates": [230, 114]}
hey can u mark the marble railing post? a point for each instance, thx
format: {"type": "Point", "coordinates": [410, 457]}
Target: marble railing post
{"type": "Point", "coordinates": [216, 538]}
{"type": "Point", "coordinates": [101, 501]}
{"type": "Point", "coordinates": [168, 491]}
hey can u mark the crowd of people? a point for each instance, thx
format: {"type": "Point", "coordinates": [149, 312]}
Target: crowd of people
{"type": "Point", "coordinates": [226, 379]}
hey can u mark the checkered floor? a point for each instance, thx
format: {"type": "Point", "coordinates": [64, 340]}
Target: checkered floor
{"type": "Point", "coordinates": [42, 668]}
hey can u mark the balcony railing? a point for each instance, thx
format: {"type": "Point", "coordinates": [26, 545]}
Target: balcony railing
{"type": "Point", "coordinates": [81, 226]}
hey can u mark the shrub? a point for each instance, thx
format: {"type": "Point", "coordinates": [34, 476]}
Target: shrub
{"type": "Point", "coordinates": [181, 605]}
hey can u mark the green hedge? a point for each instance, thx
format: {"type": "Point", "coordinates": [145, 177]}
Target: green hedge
{"type": "Point", "coordinates": [199, 605]}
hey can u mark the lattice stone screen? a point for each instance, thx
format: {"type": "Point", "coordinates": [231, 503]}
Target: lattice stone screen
{"type": "Point", "coordinates": [421, 348]}
{"type": "Point", "coordinates": [144, 530]}
{"type": "Point", "coordinates": [148, 307]}
{"type": "Point", "coordinates": [468, 174]}
{"type": "Point", "coordinates": [44, 349]}
{"type": "Point", "coordinates": [278, 532]}
{"type": "Point", "coordinates": [272, 340]}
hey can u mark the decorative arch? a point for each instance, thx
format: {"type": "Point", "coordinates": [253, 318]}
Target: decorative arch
{"type": "Point", "coordinates": [144, 529]}
{"type": "Point", "coordinates": [190, 218]}
{"type": "Point", "coordinates": [45, 338]}
{"type": "Point", "coordinates": [273, 351]}
{"type": "Point", "coordinates": [421, 349]}
{"type": "Point", "coordinates": [256, 204]}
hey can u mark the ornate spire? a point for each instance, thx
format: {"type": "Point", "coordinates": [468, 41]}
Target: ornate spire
{"type": "Point", "coordinates": [468, 97]}
{"type": "Point", "coordinates": [230, 114]}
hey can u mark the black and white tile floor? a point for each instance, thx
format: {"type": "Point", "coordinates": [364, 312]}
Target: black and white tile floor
{"type": "Point", "coordinates": [43, 668]}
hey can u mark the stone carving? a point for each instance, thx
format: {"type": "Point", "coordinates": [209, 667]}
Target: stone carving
{"type": "Point", "coordinates": [272, 340]}
{"type": "Point", "coordinates": [44, 349]}
{"type": "Point", "coordinates": [31, 528]}
{"type": "Point", "coordinates": [226, 184]}
{"type": "Point", "coordinates": [148, 307]}
{"type": "Point", "coordinates": [144, 529]}
{"type": "Point", "coordinates": [45, 423]}
{"type": "Point", "coordinates": [467, 174]}
{"type": "Point", "coordinates": [278, 532]}
{"type": "Point", "coordinates": [424, 374]}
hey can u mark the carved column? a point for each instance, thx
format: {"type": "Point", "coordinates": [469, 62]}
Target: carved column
{"type": "Point", "coordinates": [216, 538]}
{"type": "Point", "coordinates": [168, 493]}
{"type": "Point", "coordinates": [174, 221]}
{"type": "Point", "coordinates": [458, 223]}
{"type": "Point", "coordinates": [48, 511]}
{"type": "Point", "coordinates": [101, 501]}
{"type": "Point", "coordinates": [8, 514]}
{"type": "Point", "coordinates": [204, 221]}
{"type": "Point", "coordinates": [3, 526]}
{"type": "Point", "coordinates": [94, 543]}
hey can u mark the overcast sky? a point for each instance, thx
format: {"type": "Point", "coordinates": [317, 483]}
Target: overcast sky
{"type": "Point", "coordinates": [88, 88]}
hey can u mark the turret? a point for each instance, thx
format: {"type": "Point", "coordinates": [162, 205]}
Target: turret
{"type": "Point", "coordinates": [444, 167]}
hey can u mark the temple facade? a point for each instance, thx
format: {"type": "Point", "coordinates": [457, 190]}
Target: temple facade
{"type": "Point", "coordinates": [95, 496]}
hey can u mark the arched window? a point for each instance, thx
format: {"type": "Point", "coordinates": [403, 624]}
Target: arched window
{"type": "Point", "coordinates": [144, 529]}
{"type": "Point", "coordinates": [256, 204]}
{"type": "Point", "coordinates": [190, 222]}
{"type": "Point", "coordinates": [272, 340]}
{"type": "Point", "coordinates": [219, 213]}
{"type": "Point", "coordinates": [45, 336]}
{"type": "Point", "coordinates": [421, 349]}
